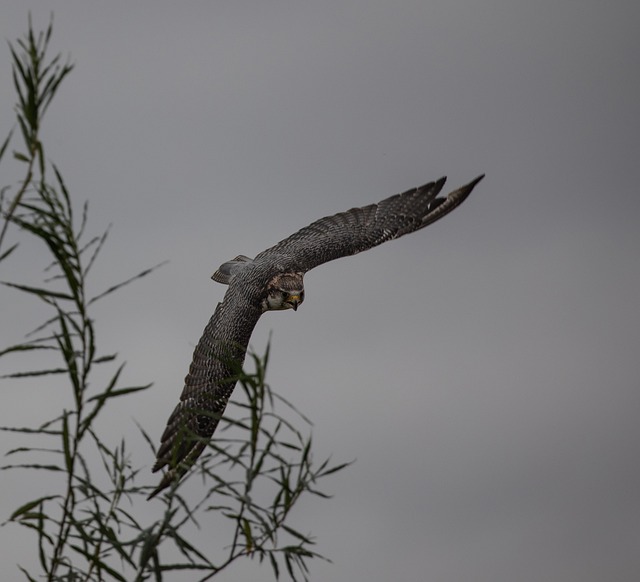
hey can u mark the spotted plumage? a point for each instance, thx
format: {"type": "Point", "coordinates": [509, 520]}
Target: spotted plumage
{"type": "Point", "coordinates": [273, 280]}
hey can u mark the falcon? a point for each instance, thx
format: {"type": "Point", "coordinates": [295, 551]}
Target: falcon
{"type": "Point", "coordinates": [273, 281]}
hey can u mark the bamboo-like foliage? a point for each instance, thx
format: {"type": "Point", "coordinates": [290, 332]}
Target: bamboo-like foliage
{"type": "Point", "coordinates": [87, 525]}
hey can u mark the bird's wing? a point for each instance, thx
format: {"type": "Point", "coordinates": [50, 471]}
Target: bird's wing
{"type": "Point", "coordinates": [217, 360]}
{"type": "Point", "coordinates": [220, 352]}
{"type": "Point", "coordinates": [359, 229]}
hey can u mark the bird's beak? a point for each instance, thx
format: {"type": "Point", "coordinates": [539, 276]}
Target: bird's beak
{"type": "Point", "coordinates": [294, 301]}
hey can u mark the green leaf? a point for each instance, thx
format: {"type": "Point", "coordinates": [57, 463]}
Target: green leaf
{"type": "Point", "coordinates": [5, 144]}
{"type": "Point", "coordinates": [149, 547]}
{"type": "Point", "coordinates": [274, 566]}
{"type": "Point", "coordinates": [66, 444]}
{"type": "Point", "coordinates": [99, 564]}
{"type": "Point", "coordinates": [6, 253]}
{"type": "Point", "coordinates": [28, 430]}
{"type": "Point", "coordinates": [297, 534]}
{"type": "Point", "coordinates": [30, 505]}
{"type": "Point", "coordinates": [335, 469]}
{"type": "Point", "coordinates": [21, 157]}
{"type": "Point", "coordinates": [126, 282]}
{"type": "Point", "coordinates": [44, 293]}
{"type": "Point", "coordinates": [110, 391]}
{"type": "Point", "coordinates": [104, 359]}
{"type": "Point", "coordinates": [30, 373]}
{"type": "Point", "coordinates": [32, 466]}
{"type": "Point", "coordinates": [29, 577]}
{"type": "Point", "coordinates": [22, 348]}
{"type": "Point", "coordinates": [119, 392]}
{"type": "Point", "coordinates": [246, 530]}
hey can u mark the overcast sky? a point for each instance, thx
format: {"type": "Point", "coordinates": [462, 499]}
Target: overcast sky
{"type": "Point", "coordinates": [484, 372]}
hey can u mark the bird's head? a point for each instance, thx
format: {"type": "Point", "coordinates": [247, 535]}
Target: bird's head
{"type": "Point", "coordinates": [285, 291]}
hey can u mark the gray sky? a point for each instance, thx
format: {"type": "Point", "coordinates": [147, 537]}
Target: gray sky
{"type": "Point", "coordinates": [483, 372]}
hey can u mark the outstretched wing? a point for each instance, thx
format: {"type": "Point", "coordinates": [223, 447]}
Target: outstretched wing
{"type": "Point", "coordinates": [220, 352]}
{"type": "Point", "coordinates": [359, 229]}
{"type": "Point", "coordinates": [217, 359]}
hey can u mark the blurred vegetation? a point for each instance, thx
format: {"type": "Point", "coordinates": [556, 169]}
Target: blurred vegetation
{"type": "Point", "coordinates": [85, 522]}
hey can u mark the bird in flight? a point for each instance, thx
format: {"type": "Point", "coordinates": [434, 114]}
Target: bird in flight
{"type": "Point", "coordinates": [273, 280]}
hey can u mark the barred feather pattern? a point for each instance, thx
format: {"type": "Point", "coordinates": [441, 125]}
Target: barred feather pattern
{"type": "Point", "coordinates": [360, 229]}
{"type": "Point", "coordinates": [217, 359]}
{"type": "Point", "coordinates": [220, 352]}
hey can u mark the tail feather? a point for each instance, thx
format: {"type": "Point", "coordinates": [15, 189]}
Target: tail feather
{"type": "Point", "coordinates": [229, 269]}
